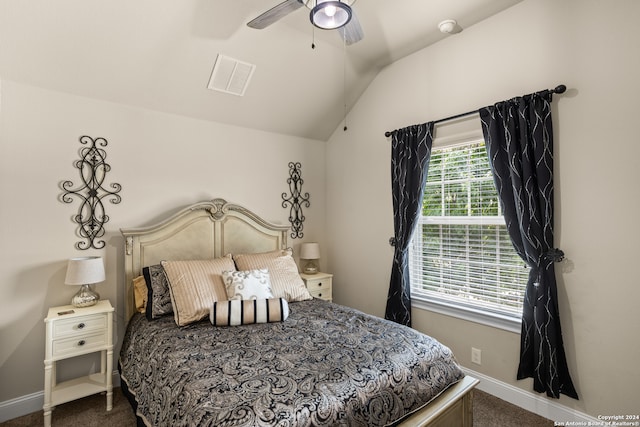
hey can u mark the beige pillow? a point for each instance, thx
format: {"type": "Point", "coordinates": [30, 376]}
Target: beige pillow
{"type": "Point", "coordinates": [285, 281]}
{"type": "Point", "coordinates": [140, 294]}
{"type": "Point", "coordinates": [195, 285]}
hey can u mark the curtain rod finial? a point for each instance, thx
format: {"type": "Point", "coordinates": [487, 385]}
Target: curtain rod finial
{"type": "Point", "coordinates": [560, 89]}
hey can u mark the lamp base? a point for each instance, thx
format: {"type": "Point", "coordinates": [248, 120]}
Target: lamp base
{"type": "Point", "coordinates": [310, 268]}
{"type": "Point", "coordinates": [85, 297]}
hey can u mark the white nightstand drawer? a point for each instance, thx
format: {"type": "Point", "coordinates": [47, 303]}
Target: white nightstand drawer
{"type": "Point", "coordinates": [79, 325]}
{"type": "Point", "coordinates": [326, 294]}
{"type": "Point", "coordinates": [319, 285]}
{"type": "Point", "coordinates": [79, 344]}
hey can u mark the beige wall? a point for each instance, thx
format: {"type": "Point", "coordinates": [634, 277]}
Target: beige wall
{"type": "Point", "coordinates": [593, 48]}
{"type": "Point", "coordinates": [162, 162]}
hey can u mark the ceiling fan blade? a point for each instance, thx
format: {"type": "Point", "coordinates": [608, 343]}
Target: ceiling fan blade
{"type": "Point", "coordinates": [352, 32]}
{"type": "Point", "coordinates": [274, 14]}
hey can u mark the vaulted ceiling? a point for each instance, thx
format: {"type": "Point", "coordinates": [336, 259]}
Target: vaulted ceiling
{"type": "Point", "coordinates": [159, 54]}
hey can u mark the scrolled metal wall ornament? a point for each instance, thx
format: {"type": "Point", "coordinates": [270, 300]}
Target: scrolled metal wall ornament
{"type": "Point", "coordinates": [91, 216]}
{"type": "Point", "coordinates": [296, 200]}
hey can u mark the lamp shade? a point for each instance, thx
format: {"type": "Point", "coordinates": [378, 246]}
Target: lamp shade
{"type": "Point", "coordinates": [85, 271]}
{"type": "Point", "coordinates": [329, 15]}
{"type": "Point", "coordinates": [310, 251]}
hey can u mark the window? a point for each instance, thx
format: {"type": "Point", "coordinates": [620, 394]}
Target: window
{"type": "Point", "coordinates": [461, 257]}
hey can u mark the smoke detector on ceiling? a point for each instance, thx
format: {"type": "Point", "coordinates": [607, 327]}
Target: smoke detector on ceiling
{"type": "Point", "coordinates": [230, 75]}
{"type": "Point", "coordinates": [448, 26]}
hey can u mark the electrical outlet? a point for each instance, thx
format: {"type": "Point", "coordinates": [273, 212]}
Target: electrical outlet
{"type": "Point", "coordinates": [476, 356]}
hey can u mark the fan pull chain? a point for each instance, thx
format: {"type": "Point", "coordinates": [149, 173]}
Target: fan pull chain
{"type": "Point", "coordinates": [344, 76]}
{"type": "Point", "coordinates": [313, 34]}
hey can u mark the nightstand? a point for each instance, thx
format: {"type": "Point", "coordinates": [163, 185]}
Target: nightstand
{"type": "Point", "coordinates": [71, 332]}
{"type": "Point", "coordinates": [319, 285]}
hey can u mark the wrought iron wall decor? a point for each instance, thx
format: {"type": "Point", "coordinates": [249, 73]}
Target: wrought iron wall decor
{"type": "Point", "coordinates": [296, 200]}
{"type": "Point", "coordinates": [91, 215]}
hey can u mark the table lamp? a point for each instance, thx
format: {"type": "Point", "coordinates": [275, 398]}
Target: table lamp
{"type": "Point", "coordinates": [310, 252]}
{"type": "Point", "coordinates": [85, 271]}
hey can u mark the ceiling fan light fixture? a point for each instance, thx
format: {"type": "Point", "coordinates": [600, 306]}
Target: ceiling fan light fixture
{"type": "Point", "coordinates": [329, 15]}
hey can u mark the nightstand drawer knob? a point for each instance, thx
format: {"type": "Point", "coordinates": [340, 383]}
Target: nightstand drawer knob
{"type": "Point", "coordinates": [319, 283]}
{"type": "Point", "coordinates": [81, 342]}
{"type": "Point", "coordinates": [319, 295]}
{"type": "Point", "coordinates": [81, 325]}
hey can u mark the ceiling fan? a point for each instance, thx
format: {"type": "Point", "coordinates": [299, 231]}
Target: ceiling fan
{"type": "Point", "coordinates": [325, 14]}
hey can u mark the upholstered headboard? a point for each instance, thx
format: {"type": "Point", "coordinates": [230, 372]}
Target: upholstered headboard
{"type": "Point", "coordinates": [203, 230]}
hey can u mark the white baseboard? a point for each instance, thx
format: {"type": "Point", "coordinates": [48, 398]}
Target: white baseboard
{"type": "Point", "coordinates": [530, 401]}
{"type": "Point", "coordinates": [20, 406]}
{"type": "Point", "coordinates": [30, 403]}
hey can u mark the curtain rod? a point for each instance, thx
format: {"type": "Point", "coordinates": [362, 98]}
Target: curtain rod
{"type": "Point", "coordinates": [558, 89]}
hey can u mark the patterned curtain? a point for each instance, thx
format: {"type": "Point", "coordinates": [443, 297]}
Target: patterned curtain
{"type": "Point", "coordinates": [519, 139]}
{"type": "Point", "coordinates": [410, 153]}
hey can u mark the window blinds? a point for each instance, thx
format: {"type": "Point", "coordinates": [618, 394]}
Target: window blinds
{"type": "Point", "coordinates": [461, 252]}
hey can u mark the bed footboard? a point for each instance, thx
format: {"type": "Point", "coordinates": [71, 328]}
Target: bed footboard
{"type": "Point", "coordinates": [454, 407]}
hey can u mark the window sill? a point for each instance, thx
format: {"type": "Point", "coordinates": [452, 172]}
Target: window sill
{"type": "Point", "coordinates": [482, 317]}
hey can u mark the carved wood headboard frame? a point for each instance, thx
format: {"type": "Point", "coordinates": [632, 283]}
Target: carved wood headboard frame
{"type": "Point", "coordinates": [200, 231]}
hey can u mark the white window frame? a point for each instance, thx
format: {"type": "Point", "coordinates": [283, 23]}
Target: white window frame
{"type": "Point", "coordinates": [444, 306]}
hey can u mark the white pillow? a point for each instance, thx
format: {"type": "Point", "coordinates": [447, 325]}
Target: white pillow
{"type": "Point", "coordinates": [247, 284]}
{"type": "Point", "coordinates": [285, 280]}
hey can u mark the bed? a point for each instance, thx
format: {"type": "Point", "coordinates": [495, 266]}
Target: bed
{"type": "Point", "coordinates": [320, 363]}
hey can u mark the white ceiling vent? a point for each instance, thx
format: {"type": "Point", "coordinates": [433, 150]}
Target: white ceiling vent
{"type": "Point", "coordinates": [230, 75]}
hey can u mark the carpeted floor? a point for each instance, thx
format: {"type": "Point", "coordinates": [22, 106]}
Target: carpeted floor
{"type": "Point", "coordinates": [488, 411]}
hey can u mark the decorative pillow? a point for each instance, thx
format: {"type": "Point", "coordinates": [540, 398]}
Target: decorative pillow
{"type": "Point", "coordinates": [195, 285]}
{"type": "Point", "coordinates": [140, 294]}
{"type": "Point", "coordinates": [251, 284]}
{"type": "Point", "coordinates": [158, 295]}
{"type": "Point", "coordinates": [285, 281]}
{"type": "Point", "coordinates": [244, 312]}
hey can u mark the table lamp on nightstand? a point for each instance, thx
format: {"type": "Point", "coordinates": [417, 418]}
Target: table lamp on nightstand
{"type": "Point", "coordinates": [85, 271]}
{"type": "Point", "coordinates": [310, 252]}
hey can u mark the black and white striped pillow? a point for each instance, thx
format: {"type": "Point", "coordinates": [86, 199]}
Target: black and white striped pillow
{"type": "Point", "coordinates": [245, 312]}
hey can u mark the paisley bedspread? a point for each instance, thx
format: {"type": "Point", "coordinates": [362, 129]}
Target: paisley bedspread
{"type": "Point", "coordinates": [326, 365]}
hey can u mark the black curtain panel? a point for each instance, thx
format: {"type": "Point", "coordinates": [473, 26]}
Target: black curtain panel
{"type": "Point", "coordinates": [519, 139]}
{"type": "Point", "coordinates": [410, 153]}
